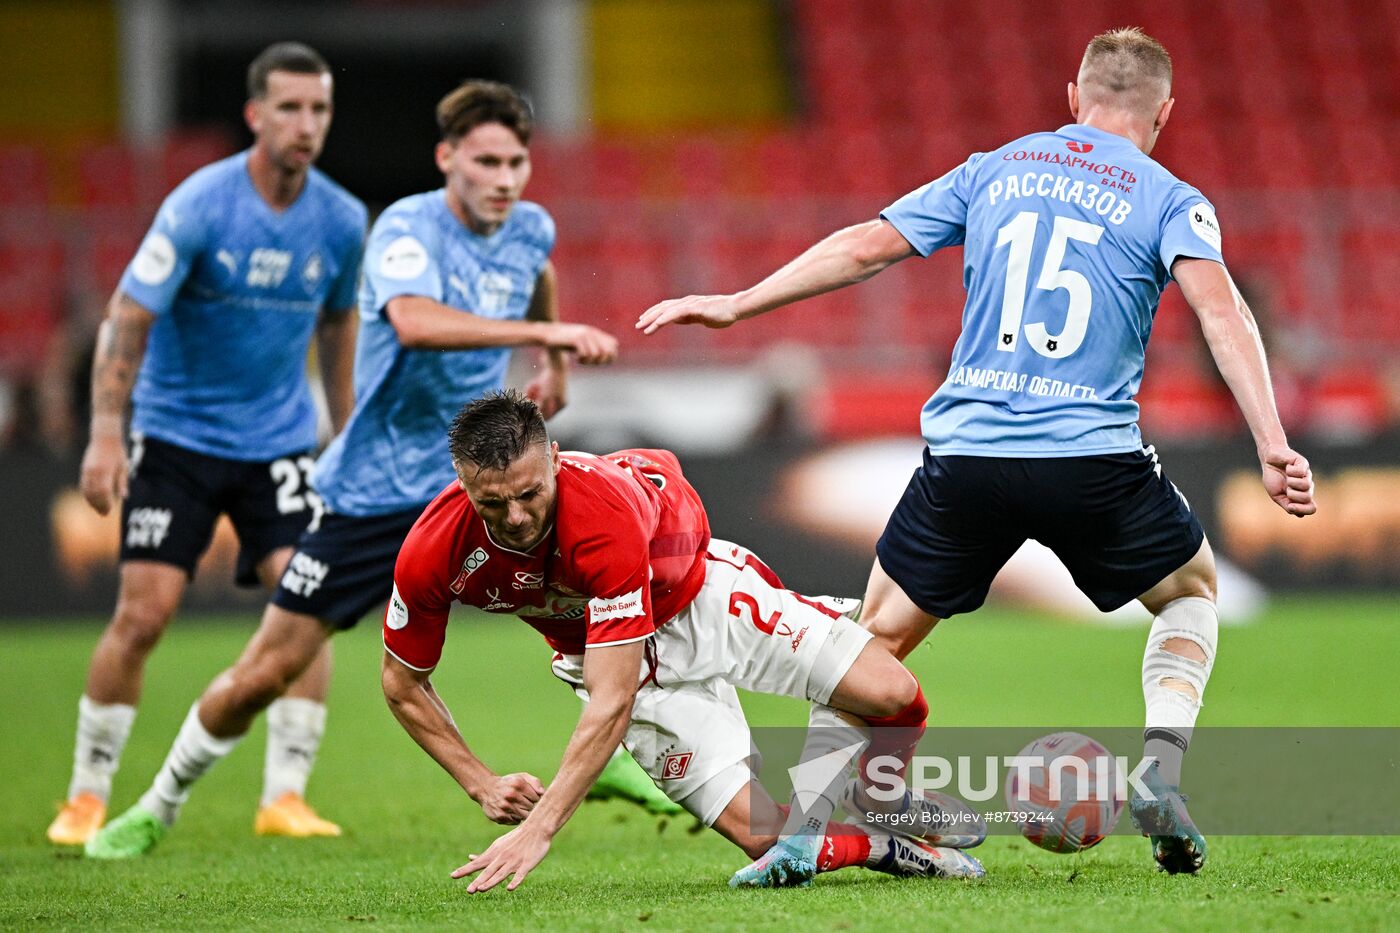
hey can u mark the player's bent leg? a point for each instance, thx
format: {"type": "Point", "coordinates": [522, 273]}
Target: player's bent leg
{"type": "Point", "coordinates": [296, 723]}
{"type": "Point", "coordinates": [147, 597]}
{"type": "Point", "coordinates": [891, 616]}
{"type": "Point", "coordinates": [284, 645]}
{"type": "Point", "coordinates": [891, 703]}
{"type": "Point", "coordinates": [1176, 665]}
{"type": "Point", "coordinates": [751, 821]}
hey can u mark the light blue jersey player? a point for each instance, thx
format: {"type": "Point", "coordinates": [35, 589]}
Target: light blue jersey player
{"type": "Point", "coordinates": [453, 279]}
{"type": "Point", "coordinates": [247, 259]}
{"type": "Point", "coordinates": [1069, 238]}
{"type": "Point", "coordinates": [392, 456]}
{"type": "Point", "coordinates": [1061, 228]}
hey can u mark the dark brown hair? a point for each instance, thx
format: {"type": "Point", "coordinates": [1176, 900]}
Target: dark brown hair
{"type": "Point", "coordinates": [284, 56]}
{"type": "Point", "coordinates": [476, 102]}
{"type": "Point", "coordinates": [496, 430]}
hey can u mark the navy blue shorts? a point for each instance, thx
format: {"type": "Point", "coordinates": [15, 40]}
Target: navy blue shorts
{"type": "Point", "coordinates": [1115, 520]}
{"type": "Point", "coordinates": [176, 495]}
{"type": "Point", "coordinates": [344, 567]}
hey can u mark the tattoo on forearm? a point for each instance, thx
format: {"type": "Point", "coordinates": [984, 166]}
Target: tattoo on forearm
{"type": "Point", "coordinates": [119, 354]}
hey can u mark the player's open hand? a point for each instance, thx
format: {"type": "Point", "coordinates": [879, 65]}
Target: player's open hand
{"type": "Point", "coordinates": [511, 797]}
{"type": "Point", "coordinates": [513, 855]}
{"type": "Point", "coordinates": [104, 473]}
{"type": "Point", "coordinates": [710, 310]}
{"type": "Point", "coordinates": [1289, 480]}
{"type": "Point", "coordinates": [592, 346]}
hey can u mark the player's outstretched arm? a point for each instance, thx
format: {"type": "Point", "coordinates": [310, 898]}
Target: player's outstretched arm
{"type": "Point", "coordinates": [610, 676]}
{"type": "Point", "coordinates": [415, 704]}
{"type": "Point", "coordinates": [121, 346]}
{"type": "Point", "coordinates": [1233, 337]}
{"type": "Point", "coordinates": [846, 257]}
{"type": "Point", "coordinates": [424, 324]}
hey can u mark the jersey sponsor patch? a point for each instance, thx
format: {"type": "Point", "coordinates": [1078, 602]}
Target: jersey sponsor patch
{"type": "Point", "coordinates": [469, 566]}
{"type": "Point", "coordinates": [525, 580]}
{"type": "Point", "coordinates": [147, 527]}
{"type": "Point", "coordinates": [404, 259]}
{"type": "Point", "coordinates": [155, 260]}
{"type": "Point", "coordinates": [1205, 225]}
{"type": "Point", "coordinates": [397, 616]}
{"type": "Point", "coordinates": [493, 291]}
{"type": "Point", "coordinates": [618, 607]}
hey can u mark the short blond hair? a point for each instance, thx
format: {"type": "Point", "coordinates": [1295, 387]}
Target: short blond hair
{"type": "Point", "coordinates": [1127, 64]}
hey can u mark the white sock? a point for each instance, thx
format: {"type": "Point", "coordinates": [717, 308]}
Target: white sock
{"type": "Point", "coordinates": [195, 751]}
{"type": "Point", "coordinates": [294, 730]}
{"type": "Point", "coordinates": [833, 744]}
{"type": "Point", "coordinates": [1171, 714]}
{"type": "Point", "coordinates": [102, 733]}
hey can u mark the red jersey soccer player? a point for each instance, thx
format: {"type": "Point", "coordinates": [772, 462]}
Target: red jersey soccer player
{"type": "Point", "coordinates": [653, 623]}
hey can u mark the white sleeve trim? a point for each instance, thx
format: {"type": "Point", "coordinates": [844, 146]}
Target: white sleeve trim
{"type": "Point", "coordinates": [601, 644]}
{"type": "Point", "coordinates": [405, 663]}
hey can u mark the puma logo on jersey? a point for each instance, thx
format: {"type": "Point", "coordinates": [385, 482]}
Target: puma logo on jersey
{"type": "Point", "coordinates": [227, 260]}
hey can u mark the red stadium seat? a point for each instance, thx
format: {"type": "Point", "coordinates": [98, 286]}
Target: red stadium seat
{"type": "Point", "coordinates": [114, 176]}
{"type": "Point", "coordinates": [24, 177]}
{"type": "Point", "coordinates": [184, 153]}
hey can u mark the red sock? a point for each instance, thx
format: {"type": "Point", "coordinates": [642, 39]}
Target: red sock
{"type": "Point", "coordinates": [897, 735]}
{"type": "Point", "coordinates": [843, 849]}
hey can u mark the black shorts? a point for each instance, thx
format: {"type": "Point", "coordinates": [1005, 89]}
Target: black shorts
{"type": "Point", "coordinates": [1115, 520]}
{"type": "Point", "coordinates": [176, 495]}
{"type": "Point", "coordinates": [344, 566]}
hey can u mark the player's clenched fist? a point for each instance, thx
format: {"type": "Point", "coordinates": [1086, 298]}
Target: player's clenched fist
{"type": "Point", "coordinates": [592, 346]}
{"type": "Point", "coordinates": [104, 473]}
{"type": "Point", "coordinates": [511, 798]}
{"type": "Point", "coordinates": [710, 310]}
{"type": "Point", "coordinates": [1289, 480]}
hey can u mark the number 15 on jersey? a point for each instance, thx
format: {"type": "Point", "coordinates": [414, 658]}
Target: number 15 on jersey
{"type": "Point", "coordinates": [1020, 235]}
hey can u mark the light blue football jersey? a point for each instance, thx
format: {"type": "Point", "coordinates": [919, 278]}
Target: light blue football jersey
{"type": "Point", "coordinates": [1068, 240]}
{"type": "Point", "coordinates": [236, 289]}
{"type": "Point", "coordinates": [392, 455]}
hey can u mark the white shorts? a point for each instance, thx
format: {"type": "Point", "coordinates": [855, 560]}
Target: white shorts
{"type": "Point", "coordinates": [688, 731]}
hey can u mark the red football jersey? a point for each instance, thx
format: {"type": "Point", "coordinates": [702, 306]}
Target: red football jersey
{"type": "Point", "coordinates": [625, 554]}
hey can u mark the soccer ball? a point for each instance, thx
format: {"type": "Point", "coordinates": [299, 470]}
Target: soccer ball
{"type": "Point", "coordinates": [1066, 802]}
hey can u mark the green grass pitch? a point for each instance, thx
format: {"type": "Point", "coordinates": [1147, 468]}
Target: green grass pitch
{"type": "Point", "coordinates": [1310, 662]}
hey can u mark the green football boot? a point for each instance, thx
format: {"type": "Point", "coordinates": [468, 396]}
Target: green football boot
{"type": "Point", "coordinates": [624, 779]}
{"type": "Point", "coordinates": [130, 835]}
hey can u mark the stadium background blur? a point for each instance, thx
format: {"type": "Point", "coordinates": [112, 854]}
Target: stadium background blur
{"type": "Point", "coordinates": [692, 147]}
